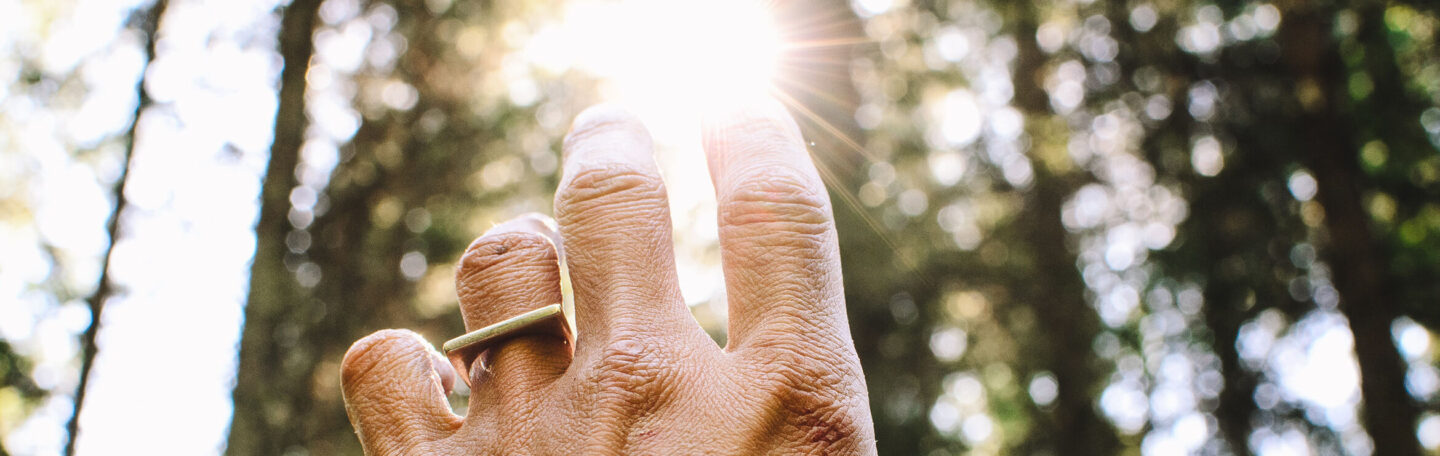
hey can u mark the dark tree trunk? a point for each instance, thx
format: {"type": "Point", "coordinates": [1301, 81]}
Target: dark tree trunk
{"type": "Point", "coordinates": [149, 22]}
{"type": "Point", "coordinates": [1353, 252]}
{"type": "Point", "coordinates": [1065, 320]}
{"type": "Point", "coordinates": [1057, 294]}
{"type": "Point", "coordinates": [401, 162]}
{"type": "Point", "coordinates": [269, 402]}
{"type": "Point", "coordinates": [1237, 407]}
{"type": "Point", "coordinates": [1228, 244]}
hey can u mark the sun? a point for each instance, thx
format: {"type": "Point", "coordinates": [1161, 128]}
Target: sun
{"type": "Point", "coordinates": [721, 48]}
{"type": "Point", "coordinates": [669, 55]}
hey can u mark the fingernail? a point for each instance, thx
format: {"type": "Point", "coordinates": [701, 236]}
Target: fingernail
{"type": "Point", "coordinates": [444, 371]}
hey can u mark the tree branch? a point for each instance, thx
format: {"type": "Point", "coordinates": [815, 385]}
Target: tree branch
{"type": "Point", "coordinates": [149, 24]}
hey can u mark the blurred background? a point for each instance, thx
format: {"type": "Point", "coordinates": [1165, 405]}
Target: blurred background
{"type": "Point", "coordinates": [1080, 227]}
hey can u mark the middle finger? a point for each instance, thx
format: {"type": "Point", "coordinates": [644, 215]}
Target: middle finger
{"type": "Point", "coordinates": [615, 221]}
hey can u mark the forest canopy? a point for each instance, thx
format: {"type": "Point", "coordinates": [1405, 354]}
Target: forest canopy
{"type": "Point", "coordinates": [1078, 227]}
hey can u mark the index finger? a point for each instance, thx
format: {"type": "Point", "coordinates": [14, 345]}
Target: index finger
{"type": "Point", "coordinates": [777, 236]}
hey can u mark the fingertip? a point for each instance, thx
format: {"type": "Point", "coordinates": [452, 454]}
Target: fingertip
{"type": "Point", "coordinates": [375, 350]}
{"type": "Point", "coordinates": [390, 355]}
{"type": "Point", "coordinates": [748, 115]}
{"type": "Point", "coordinates": [393, 391]}
{"type": "Point", "coordinates": [524, 239]}
{"type": "Point", "coordinates": [758, 131]}
{"type": "Point", "coordinates": [603, 134]}
{"type": "Point", "coordinates": [530, 222]}
{"type": "Point", "coordinates": [604, 115]}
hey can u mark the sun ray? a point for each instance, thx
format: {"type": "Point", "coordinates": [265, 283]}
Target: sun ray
{"type": "Point", "coordinates": [830, 43]}
{"type": "Point", "coordinates": [834, 181]}
{"type": "Point", "coordinates": [831, 98]}
{"type": "Point", "coordinates": [671, 60]}
{"type": "Point", "coordinates": [826, 125]}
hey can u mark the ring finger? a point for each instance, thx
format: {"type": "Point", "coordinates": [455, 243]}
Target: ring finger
{"type": "Point", "coordinates": [510, 270]}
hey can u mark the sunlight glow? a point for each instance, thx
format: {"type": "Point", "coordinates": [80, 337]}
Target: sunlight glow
{"type": "Point", "coordinates": [669, 62]}
{"type": "Point", "coordinates": [666, 54]}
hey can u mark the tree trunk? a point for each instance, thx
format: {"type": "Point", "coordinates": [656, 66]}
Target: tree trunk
{"type": "Point", "coordinates": [269, 403]}
{"type": "Point", "coordinates": [1237, 407]}
{"type": "Point", "coordinates": [1057, 295]}
{"type": "Point", "coordinates": [401, 166]}
{"type": "Point", "coordinates": [1068, 324]}
{"type": "Point", "coordinates": [148, 25]}
{"type": "Point", "coordinates": [1353, 252]}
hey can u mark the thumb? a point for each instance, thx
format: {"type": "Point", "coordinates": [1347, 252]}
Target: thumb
{"type": "Point", "coordinates": [393, 393]}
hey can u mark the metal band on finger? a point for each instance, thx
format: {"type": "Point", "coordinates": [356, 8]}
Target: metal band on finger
{"type": "Point", "coordinates": [462, 351]}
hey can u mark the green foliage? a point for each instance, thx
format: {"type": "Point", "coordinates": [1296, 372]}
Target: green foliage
{"type": "Point", "coordinates": [1130, 108]}
{"type": "Point", "coordinates": [1079, 227]}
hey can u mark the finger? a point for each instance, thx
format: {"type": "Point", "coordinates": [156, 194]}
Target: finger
{"type": "Point", "coordinates": [445, 371]}
{"type": "Point", "coordinates": [393, 393]}
{"type": "Point", "coordinates": [512, 269]}
{"type": "Point", "coordinates": [777, 236]}
{"type": "Point", "coordinates": [615, 219]}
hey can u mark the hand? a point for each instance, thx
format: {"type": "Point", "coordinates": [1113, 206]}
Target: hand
{"type": "Point", "coordinates": [642, 377]}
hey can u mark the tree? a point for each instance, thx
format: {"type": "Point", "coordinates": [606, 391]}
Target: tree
{"type": "Point", "coordinates": [1213, 103]}
{"type": "Point", "coordinates": [1094, 227]}
{"type": "Point", "coordinates": [1361, 266]}
{"type": "Point", "coordinates": [149, 23]}
{"type": "Point", "coordinates": [259, 394]}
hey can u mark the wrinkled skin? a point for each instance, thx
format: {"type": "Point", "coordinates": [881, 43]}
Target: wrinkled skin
{"type": "Point", "coordinates": [642, 377]}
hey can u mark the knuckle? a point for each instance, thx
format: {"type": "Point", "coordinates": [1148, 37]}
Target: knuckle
{"type": "Point", "coordinates": [824, 408]}
{"type": "Point", "coordinates": [615, 185]}
{"type": "Point", "coordinates": [825, 426]}
{"type": "Point", "coordinates": [777, 201]}
{"type": "Point", "coordinates": [504, 251]}
{"type": "Point", "coordinates": [632, 376]}
{"type": "Point", "coordinates": [404, 442]}
{"type": "Point", "coordinates": [797, 327]}
{"type": "Point", "coordinates": [785, 367]}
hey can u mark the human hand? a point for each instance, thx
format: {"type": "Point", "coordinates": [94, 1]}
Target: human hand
{"type": "Point", "coordinates": [641, 376]}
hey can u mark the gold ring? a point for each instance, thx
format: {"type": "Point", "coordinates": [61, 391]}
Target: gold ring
{"type": "Point", "coordinates": [462, 351]}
